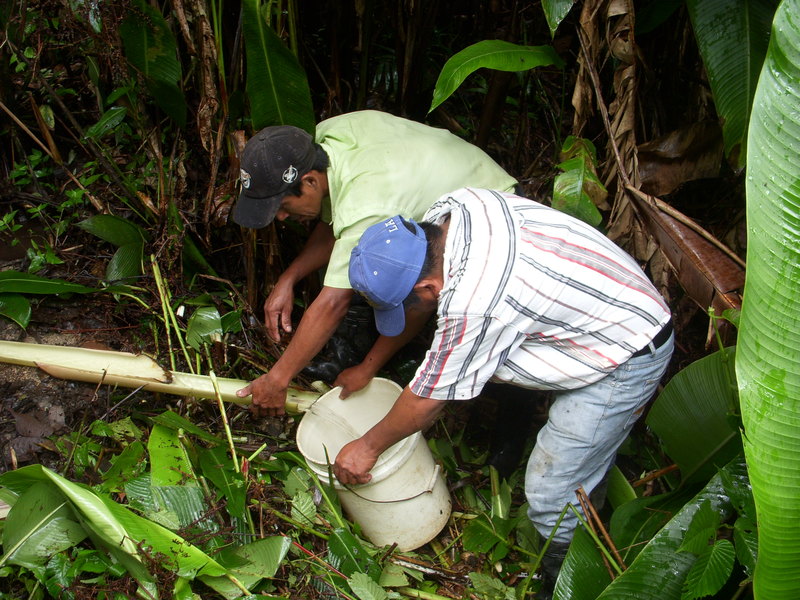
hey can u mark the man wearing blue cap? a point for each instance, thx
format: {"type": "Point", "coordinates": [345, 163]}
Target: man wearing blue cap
{"type": "Point", "coordinates": [525, 295]}
{"type": "Point", "coordinates": [359, 169]}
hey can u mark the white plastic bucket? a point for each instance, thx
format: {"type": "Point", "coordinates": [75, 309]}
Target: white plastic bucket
{"type": "Point", "coordinates": [407, 501]}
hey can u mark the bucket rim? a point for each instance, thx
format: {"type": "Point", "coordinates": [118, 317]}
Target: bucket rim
{"type": "Point", "coordinates": [388, 462]}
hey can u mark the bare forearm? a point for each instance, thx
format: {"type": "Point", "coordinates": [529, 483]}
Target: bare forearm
{"type": "Point", "coordinates": [314, 255]}
{"type": "Point", "coordinates": [410, 413]}
{"type": "Point", "coordinates": [386, 347]}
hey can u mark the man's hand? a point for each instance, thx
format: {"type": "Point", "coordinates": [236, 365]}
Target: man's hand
{"type": "Point", "coordinates": [269, 398]}
{"type": "Point", "coordinates": [354, 462]}
{"type": "Point", "coordinates": [278, 309]}
{"type": "Point", "coordinates": [353, 379]}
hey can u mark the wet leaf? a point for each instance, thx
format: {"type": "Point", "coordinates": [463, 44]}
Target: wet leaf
{"type": "Point", "coordinates": [732, 38]}
{"type": "Point", "coordinates": [710, 572]}
{"type": "Point", "coordinates": [250, 564]}
{"type": "Point", "coordinates": [151, 48]}
{"type": "Point", "coordinates": [170, 464]}
{"type": "Point", "coordinates": [107, 122]}
{"type": "Point", "coordinates": [349, 556]}
{"type": "Point", "coordinates": [555, 11]}
{"type": "Point", "coordinates": [125, 466]}
{"type": "Point", "coordinates": [16, 307]}
{"type": "Point", "coordinates": [484, 534]}
{"type": "Point", "coordinates": [745, 537]}
{"type": "Point", "coordinates": [40, 524]}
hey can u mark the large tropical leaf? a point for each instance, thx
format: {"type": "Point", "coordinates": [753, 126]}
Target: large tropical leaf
{"type": "Point", "coordinates": [695, 416]}
{"type": "Point", "coordinates": [151, 48]}
{"type": "Point", "coordinates": [39, 525]}
{"type": "Point", "coordinates": [732, 36]}
{"type": "Point", "coordinates": [492, 54]}
{"type": "Point", "coordinates": [768, 354]}
{"type": "Point", "coordinates": [555, 11]}
{"type": "Point", "coordinates": [659, 570]}
{"type": "Point", "coordinates": [277, 86]}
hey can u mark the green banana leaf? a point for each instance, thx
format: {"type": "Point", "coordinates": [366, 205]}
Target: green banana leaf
{"type": "Point", "coordinates": [151, 49]}
{"type": "Point", "coordinates": [39, 525]}
{"type": "Point", "coordinates": [491, 54]}
{"type": "Point", "coordinates": [732, 36]}
{"type": "Point", "coordinates": [277, 86]}
{"type": "Point", "coordinates": [768, 353]}
{"type": "Point", "coordinates": [694, 416]}
{"type": "Point", "coordinates": [555, 11]}
{"type": "Point", "coordinates": [116, 527]}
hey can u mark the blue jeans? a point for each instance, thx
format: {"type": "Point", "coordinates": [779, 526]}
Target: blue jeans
{"type": "Point", "coordinates": [585, 427]}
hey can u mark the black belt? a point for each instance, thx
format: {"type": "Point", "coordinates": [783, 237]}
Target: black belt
{"type": "Point", "coordinates": [658, 341]}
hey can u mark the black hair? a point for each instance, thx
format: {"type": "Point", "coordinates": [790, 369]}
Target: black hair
{"type": "Point", "coordinates": [434, 235]}
{"type": "Point", "coordinates": [321, 163]}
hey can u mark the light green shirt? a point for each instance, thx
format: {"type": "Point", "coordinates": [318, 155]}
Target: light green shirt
{"type": "Point", "coordinates": [382, 166]}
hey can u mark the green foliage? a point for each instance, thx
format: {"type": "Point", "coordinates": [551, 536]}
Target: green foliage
{"type": "Point", "coordinates": [555, 11]}
{"type": "Point", "coordinates": [578, 191]}
{"type": "Point", "coordinates": [13, 284]}
{"type": "Point", "coordinates": [768, 349]}
{"type": "Point", "coordinates": [151, 49]}
{"type": "Point", "coordinates": [695, 416]}
{"type": "Point", "coordinates": [662, 566]}
{"type": "Point", "coordinates": [732, 37]}
{"type": "Point", "coordinates": [491, 54]}
{"type": "Point", "coordinates": [276, 84]}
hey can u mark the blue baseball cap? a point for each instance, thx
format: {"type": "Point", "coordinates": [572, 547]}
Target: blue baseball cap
{"type": "Point", "coordinates": [385, 266]}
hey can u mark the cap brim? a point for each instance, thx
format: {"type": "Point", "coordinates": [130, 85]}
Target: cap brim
{"type": "Point", "coordinates": [255, 213]}
{"type": "Point", "coordinates": [390, 322]}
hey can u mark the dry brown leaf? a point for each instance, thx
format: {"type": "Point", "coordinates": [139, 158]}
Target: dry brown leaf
{"type": "Point", "coordinates": [707, 271]}
{"type": "Point", "coordinates": [692, 152]}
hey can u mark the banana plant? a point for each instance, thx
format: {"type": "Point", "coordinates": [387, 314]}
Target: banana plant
{"type": "Point", "coordinates": [768, 354]}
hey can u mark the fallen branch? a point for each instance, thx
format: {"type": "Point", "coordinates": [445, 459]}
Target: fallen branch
{"type": "Point", "coordinates": [133, 371]}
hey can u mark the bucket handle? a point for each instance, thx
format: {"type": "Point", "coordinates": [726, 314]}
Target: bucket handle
{"type": "Point", "coordinates": [427, 490]}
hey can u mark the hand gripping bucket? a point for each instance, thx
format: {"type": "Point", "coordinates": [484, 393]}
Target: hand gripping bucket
{"type": "Point", "coordinates": [407, 501]}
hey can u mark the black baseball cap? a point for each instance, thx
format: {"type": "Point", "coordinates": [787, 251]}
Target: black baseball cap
{"type": "Point", "coordinates": [272, 161]}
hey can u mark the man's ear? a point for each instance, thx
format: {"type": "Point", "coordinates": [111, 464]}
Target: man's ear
{"type": "Point", "coordinates": [428, 289]}
{"type": "Point", "coordinates": [316, 180]}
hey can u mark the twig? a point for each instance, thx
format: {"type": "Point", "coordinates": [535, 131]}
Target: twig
{"type": "Point", "coordinates": [95, 202]}
{"type": "Point", "coordinates": [328, 566]}
{"type": "Point", "coordinates": [587, 505]}
{"type": "Point", "coordinates": [654, 475]}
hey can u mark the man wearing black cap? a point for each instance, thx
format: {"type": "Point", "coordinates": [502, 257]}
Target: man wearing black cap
{"type": "Point", "coordinates": [525, 295]}
{"type": "Point", "coordinates": [364, 167]}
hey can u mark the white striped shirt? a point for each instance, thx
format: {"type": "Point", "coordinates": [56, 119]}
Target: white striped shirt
{"type": "Point", "coordinates": [531, 297]}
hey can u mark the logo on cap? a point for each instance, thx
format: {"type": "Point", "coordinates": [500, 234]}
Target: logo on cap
{"type": "Point", "coordinates": [289, 175]}
{"type": "Point", "coordinates": [244, 176]}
